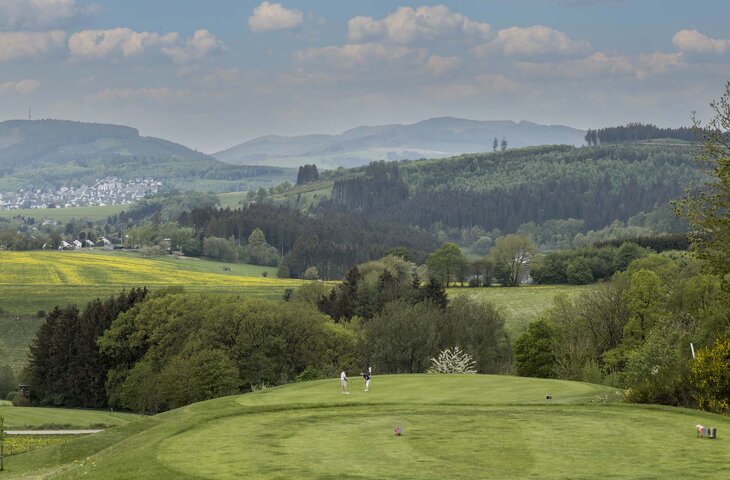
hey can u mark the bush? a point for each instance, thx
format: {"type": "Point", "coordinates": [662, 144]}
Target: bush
{"type": "Point", "coordinates": [309, 373]}
{"type": "Point", "coordinates": [711, 377]}
{"type": "Point", "coordinates": [453, 361]}
{"type": "Point", "coordinates": [220, 249]}
{"type": "Point", "coordinates": [18, 400]}
{"type": "Point", "coordinates": [311, 273]}
{"type": "Point", "coordinates": [533, 351]}
{"type": "Point", "coordinates": [579, 272]}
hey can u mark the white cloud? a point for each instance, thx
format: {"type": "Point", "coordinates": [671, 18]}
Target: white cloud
{"type": "Point", "coordinates": [274, 16]}
{"type": "Point", "coordinates": [17, 45]}
{"type": "Point", "coordinates": [694, 41]}
{"type": "Point", "coordinates": [407, 25]}
{"type": "Point", "coordinates": [41, 14]}
{"type": "Point", "coordinates": [126, 43]}
{"type": "Point", "coordinates": [100, 44]}
{"type": "Point", "coordinates": [23, 87]}
{"type": "Point", "coordinates": [533, 40]}
{"type": "Point", "coordinates": [365, 56]}
{"type": "Point", "coordinates": [200, 45]}
{"type": "Point", "coordinates": [438, 65]}
{"type": "Point", "coordinates": [658, 63]}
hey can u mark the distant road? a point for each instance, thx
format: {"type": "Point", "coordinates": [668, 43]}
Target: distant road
{"type": "Point", "coordinates": [50, 432]}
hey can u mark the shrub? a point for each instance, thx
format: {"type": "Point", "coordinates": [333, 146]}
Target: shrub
{"type": "Point", "coordinates": [453, 361]}
{"type": "Point", "coordinates": [309, 373]}
{"type": "Point", "coordinates": [711, 377]}
{"type": "Point", "coordinates": [311, 273]}
{"type": "Point", "coordinates": [533, 350]}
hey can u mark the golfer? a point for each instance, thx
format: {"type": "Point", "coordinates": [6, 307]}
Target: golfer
{"type": "Point", "coordinates": [343, 382]}
{"type": "Point", "coordinates": [366, 376]}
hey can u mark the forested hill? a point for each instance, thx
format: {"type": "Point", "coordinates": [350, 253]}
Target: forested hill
{"type": "Point", "coordinates": [43, 154]}
{"type": "Point", "coordinates": [25, 143]}
{"type": "Point", "coordinates": [505, 190]}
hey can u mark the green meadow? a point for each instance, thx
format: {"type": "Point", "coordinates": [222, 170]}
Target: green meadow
{"type": "Point", "coordinates": [453, 426]}
{"type": "Point", "coordinates": [520, 305]}
{"type": "Point", "coordinates": [34, 418]}
{"type": "Point", "coordinates": [92, 214]}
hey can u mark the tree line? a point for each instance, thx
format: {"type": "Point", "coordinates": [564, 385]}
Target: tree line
{"type": "Point", "coordinates": [331, 243]}
{"type": "Point", "coordinates": [636, 131]}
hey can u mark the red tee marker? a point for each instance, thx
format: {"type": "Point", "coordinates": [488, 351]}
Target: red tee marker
{"type": "Point", "coordinates": [398, 431]}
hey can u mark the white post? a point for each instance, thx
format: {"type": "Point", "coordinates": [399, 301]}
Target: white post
{"type": "Point", "coordinates": [693, 350]}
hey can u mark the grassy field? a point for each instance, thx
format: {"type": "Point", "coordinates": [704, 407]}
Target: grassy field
{"type": "Point", "coordinates": [19, 418]}
{"type": "Point", "coordinates": [471, 426]}
{"type": "Point", "coordinates": [65, 214]}
{"type": "Point", "coordinates": [307, 194]}
{"type": "Point", "coordinates": [40, 280]}
{"type": "Point", "coordinates": [520, 305]}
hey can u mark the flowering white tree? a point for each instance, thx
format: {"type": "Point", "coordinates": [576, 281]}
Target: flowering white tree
{"type": "Point", "coordinates": [453, 361]}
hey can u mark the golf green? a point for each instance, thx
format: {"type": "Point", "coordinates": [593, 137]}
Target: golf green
{"type": "Point", "coordinates": [453, 426]}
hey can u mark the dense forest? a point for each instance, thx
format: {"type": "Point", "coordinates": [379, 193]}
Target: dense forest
{"type": "Point", "coordinates": [331, 243]}
{"type": "Point", "coordinates": [508, 189]}
{"type": "Point", "coordinates": [635, 132]}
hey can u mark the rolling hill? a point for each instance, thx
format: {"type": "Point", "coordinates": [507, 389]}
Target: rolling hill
{"type": "Point", "coordinates": [42, 154]}
{"type": "Point", "coordinates": [453, 426]}
{"type": "Point", "coordinates": [433, 138]}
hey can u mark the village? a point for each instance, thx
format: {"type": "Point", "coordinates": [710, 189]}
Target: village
{"type": "Point", "coordinates": [107, 191]}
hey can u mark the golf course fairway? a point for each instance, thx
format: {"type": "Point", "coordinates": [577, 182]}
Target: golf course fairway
{"type": "Point", "coordinates": [453, 426]}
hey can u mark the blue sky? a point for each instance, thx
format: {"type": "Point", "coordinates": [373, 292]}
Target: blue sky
{"type": "Point", "coordinates": [213, 74]}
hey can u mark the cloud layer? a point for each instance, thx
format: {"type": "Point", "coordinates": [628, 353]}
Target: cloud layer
{"type": "Point", "coordinates": [408, 25]}
{"type": "Point", "coordinates": [25, 45]}
{"type": "Point", "coordinates": [22, 87]}
{"type": "Point", "coordinates": [42, 14]}
{"type": "Point", "coordinates": [694, 41]}
{"type": "Point", "coordinates": [274, 16]}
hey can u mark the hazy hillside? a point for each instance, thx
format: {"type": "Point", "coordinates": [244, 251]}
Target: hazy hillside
{"type": "Point", "coordinates": [26, 143]}
{"type": "Point", "coordinates": [52, 153]}
{"type": "Point", "coordinates": [433, 138]}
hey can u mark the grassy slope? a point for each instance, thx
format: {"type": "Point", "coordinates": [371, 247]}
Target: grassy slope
{"type": "Point", "coordinates": [454, 427]}
{"type": "Point", "coordinates": [65, 214]}
{"type": "Point", "coordinates": [18, 418]}
{"type": "Point", "coordinates": [520, 305]}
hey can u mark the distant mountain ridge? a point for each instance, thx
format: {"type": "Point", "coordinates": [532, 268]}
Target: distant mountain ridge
{"type": "Point", "coordinates": [432, 138]}
{"type": "Point", "coordinates": [48, 154]}
{"type": "Point", "coordinates": [27, 143]}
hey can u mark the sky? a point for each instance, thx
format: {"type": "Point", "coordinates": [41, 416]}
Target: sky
{"type": "Point", "coordinates": [212, 74]}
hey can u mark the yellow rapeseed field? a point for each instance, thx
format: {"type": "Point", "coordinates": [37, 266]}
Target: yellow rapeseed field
{"type": "Point", "coordinates": [95, 268]}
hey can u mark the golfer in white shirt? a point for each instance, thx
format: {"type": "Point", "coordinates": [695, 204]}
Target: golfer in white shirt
{"type": "Point", "coordinates": [343, 382]}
